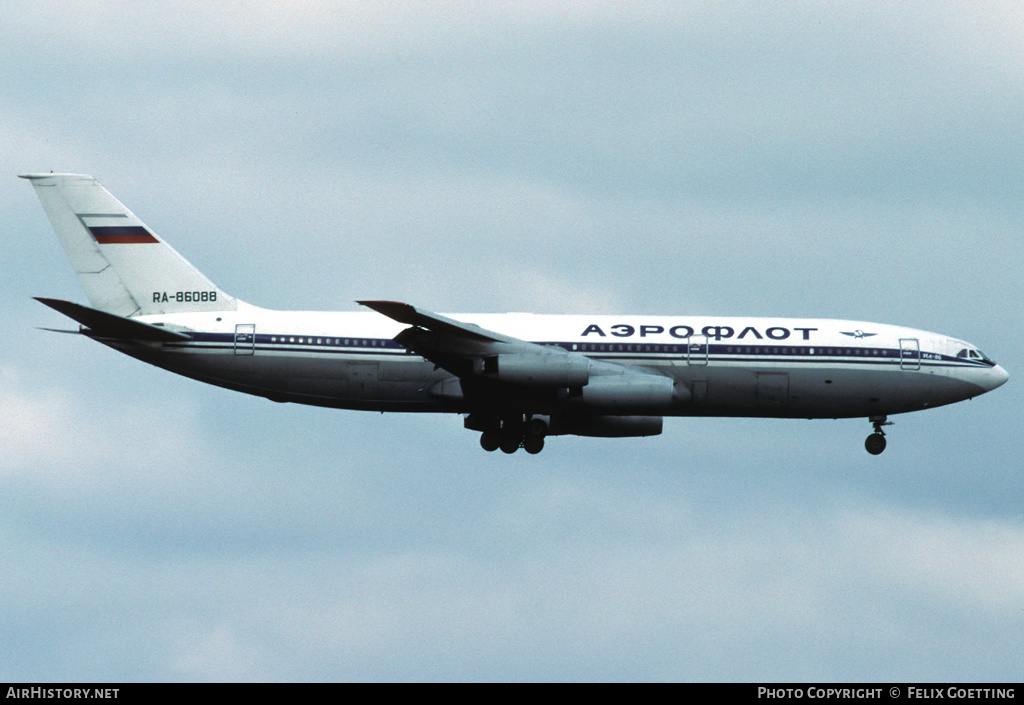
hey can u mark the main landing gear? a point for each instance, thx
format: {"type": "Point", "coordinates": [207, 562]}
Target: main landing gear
{"type": "Point", "coordinates": [515, 434]}
{"type": "Point", "coordinates": [875, 443]}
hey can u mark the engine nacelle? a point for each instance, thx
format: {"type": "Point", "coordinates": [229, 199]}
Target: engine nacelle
{"type": "Point", "coordinates": [632, 391]}
{"type": "Point", "coordinates": [531, 369]}
{"type": "Point", "coordinates": [607, 426]}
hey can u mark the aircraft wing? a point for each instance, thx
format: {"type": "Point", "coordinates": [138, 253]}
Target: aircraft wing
{"type": "Point", "coordinates": [492, 366]}
{"type": "Point", "coordinates": [405, 313]}
{"type": "Point", "coordinates": [469, 351]}
{"type": "Point", "coordinates": [111, 325]}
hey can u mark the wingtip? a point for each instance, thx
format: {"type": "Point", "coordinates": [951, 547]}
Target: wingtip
{"type": "Point", "coordinates": [386, 306]}
{"type": "Point", "coordinates": [378, 302]}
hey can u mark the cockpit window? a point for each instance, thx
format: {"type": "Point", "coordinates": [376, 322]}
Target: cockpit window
{"type": "Point", "coordinates": [971, 354]}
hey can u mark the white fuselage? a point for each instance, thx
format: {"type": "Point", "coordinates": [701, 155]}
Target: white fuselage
{"type": "Point", "coordinates": [802, 368]}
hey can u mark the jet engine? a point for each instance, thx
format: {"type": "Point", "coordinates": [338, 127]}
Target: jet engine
{"type": "Point", "coordinates": [531, 369]}
{"type": "Point", "coordinates": [629, 391]}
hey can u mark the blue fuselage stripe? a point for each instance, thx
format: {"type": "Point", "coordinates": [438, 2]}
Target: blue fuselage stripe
{"type": "Point", "coordinates": [637, 353]}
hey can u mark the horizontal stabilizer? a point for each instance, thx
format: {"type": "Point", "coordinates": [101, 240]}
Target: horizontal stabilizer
{"type": "Point", "coordinates": [112, 325]}
{"type": "Point", "coordinates": [59, 330]}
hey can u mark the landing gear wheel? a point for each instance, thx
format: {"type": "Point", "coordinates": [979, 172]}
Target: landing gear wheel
{"type": "Point", "coordinates": [533, 435]}
{"type": "Point", "coordinates": [536, 427]}
{"type": "Point", "coordinates": [490, 441]}
{"type": "Point", "coordinates": [510, 442]}
{"type": "Point", "coordinates": [511, 435]}
{"type": "Point", "coordinates": [875, 443]}
{"type": "Point", "coordinates": [533, 444]}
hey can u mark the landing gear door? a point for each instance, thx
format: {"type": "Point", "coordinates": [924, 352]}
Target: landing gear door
{"type": "Point", "coordinates": [697, 350]}
{"type": "Point", "coordinates": [910, 354]}
{"type": "Point", "coordinates": [245, 338]}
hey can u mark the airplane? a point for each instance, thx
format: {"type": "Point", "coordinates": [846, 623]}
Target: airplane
{"type": "Point", "coordinates": [517, 378]}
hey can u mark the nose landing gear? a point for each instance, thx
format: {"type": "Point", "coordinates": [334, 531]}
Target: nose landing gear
{"type": "Point", "coordinates": [875, 443]}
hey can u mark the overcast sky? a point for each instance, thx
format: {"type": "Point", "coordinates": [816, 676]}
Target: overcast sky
{"type": "Point", "coordinates": [856, 160]}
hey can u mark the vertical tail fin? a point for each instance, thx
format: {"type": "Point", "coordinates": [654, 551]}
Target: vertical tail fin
{"type": "Point", "coordinates": [125, 267]}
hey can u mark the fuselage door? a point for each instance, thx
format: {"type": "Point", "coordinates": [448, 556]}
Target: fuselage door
{"type": "Point", "coordinates": [772, 390]}
{"type": "Point", "coordinates": [697, 349]}
{"type": "Point", "coordinates": [910, 354]}
{"type": "Point", "coordinates": [245, 338]}
{"type": "Point", "coordinates": [362, 380]}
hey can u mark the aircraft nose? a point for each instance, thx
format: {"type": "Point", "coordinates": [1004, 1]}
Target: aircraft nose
{"type": "Point", "coordinates": [997, 377]}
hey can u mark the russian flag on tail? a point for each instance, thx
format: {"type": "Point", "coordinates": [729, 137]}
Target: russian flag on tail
{"type": "Point", "coordinates": [121, 234]}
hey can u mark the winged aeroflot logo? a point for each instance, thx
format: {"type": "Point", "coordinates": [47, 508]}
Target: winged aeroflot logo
{"type": "Point", "coordinates": [857, 334]}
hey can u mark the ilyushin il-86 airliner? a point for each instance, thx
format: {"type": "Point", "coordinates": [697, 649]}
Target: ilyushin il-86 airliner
{"type": "Point", "coordinates": [517, 378]}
